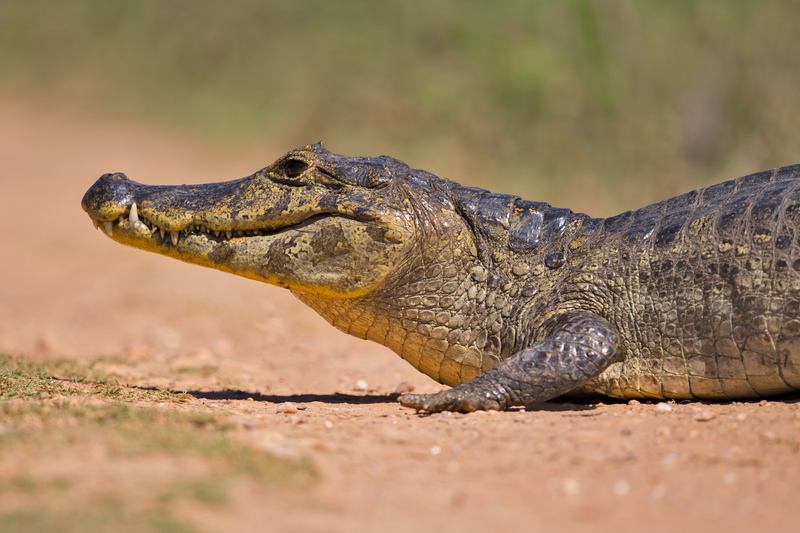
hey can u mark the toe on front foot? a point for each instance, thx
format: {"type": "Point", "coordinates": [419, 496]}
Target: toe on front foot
{"type": "Point", "coordinates": [449, 400]}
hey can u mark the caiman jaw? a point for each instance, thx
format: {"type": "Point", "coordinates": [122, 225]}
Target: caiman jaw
{"type": "Point", "coordinates": [294, 237]}
{"type": "Point", "coordinates": [131, 219]}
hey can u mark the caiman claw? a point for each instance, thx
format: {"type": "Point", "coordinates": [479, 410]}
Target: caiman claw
{"type": "Point", "coordinates": [457, 400]}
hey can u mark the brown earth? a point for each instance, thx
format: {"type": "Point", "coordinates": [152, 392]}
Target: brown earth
{"type": "Point", "coordinates": [68, 291]}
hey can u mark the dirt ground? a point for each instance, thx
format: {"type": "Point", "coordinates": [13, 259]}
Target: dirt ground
{"type": "Point", "coordinates": [68, 291]}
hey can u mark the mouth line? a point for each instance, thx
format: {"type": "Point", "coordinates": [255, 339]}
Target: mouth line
{"type": "Point", "coordinates": [133, 218]}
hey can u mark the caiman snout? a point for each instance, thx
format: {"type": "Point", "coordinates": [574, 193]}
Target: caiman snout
{"type": "Point", "coordinates": [168, 208]}
{"type": "Point", "coordinates": [109, 197]}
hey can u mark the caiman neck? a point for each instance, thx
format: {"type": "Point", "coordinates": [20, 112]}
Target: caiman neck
{"type": "Point", "coordinates": [449, 316]}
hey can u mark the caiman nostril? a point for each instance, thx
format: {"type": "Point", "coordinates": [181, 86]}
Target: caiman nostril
{"type": "Point", "coordinates": [114, 176]}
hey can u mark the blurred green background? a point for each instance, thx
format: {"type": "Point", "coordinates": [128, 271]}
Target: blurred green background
{"type": "Point", "coordinates": [596, 105]}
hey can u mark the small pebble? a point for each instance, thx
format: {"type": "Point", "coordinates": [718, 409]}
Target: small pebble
{"type": "Point", "coordinates": [436, 450]}
{"type": "Point", "coordinates": [704, 415]}
{"type": "Point", "coordinates": [741, 416]}
{"type": "Point", "coordinates": [287, 408]}
{"type": "Point", "coordinates": [571, 487]}
{"type": "Point", "coordinates": [250, 400]}
{"type": "Point", "coordinates": [330, 422]}
{"type": "Point", "coordinates": [302, 407]}
{"type": "Point", "coordinates": [361, 385]}
{"type": "Point", "coordinates": [762, 403]}
{"type": "Point", "coordinates": [249, 425]}
{"type": "Point", "coordinates": [663, 407]}
{"type": "Point", "coordinates": [404, 387]}
{"type": "Point", "coordinates": [634, 402]}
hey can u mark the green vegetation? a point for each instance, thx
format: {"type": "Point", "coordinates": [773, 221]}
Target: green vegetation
{"type": "Point", "coordinates": [535, 97]}
{"type": "Point", "coordinates": [109, 518]}
{"type": "Point", "coordinates": [59, 438]}
{"type": "Point", "coordinates": [25, 378]}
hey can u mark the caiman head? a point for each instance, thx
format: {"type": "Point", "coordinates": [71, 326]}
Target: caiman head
{"type": "Point", "coordinates": [320, 224]}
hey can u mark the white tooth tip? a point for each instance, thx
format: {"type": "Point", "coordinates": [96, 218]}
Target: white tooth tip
{"type": "Point", "coordinates": [96, 223]}
{"type": "Point", "coordinates": [134, 216]}
{"type": "Point", "coordinates": [174, 235]}
{"type": "Point", "coordinates": [108, 225]}
{"type": "Point", "coordinates": [163, 232]}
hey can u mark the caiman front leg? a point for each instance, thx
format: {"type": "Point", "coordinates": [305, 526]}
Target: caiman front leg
{"type": "Point", "coordinates": [580, 347]}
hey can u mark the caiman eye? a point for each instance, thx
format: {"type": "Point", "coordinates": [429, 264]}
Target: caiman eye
{"type": "Point", "coordinates": [294, 168]}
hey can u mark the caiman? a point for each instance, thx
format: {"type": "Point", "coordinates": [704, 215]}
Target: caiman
{"type": "Point", "coordinates": [510, 302]}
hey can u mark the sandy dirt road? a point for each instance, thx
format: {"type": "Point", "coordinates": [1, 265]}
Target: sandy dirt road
{"type": "Point", "coordinates": [68, 291]}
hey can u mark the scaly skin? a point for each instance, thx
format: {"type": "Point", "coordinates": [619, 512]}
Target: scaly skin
{"type": "Point", "coordinates": [509, 302]}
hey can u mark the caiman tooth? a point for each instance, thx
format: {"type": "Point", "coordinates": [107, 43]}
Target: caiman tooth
{"type": "Point", "coordinates": [134, 215]}
{"type": "Point", "coordinates": [190, 228]}
{"type": "Point", "coordinates": [108, 225]}
{"type": "Point", "coordinates": [229, 234]}
{"type": "Point", "coordinates": [256, 232]}
{"type": "Point", "coordinates": [174, 235]}
{"type": "Point", "coordinates": [216, 233]}
{"type": "Point", "coordinates": [163, 232]}
{"type": "Point", "coordinates": [96, 223]}
{"type": "Point", "coordinates": [154, 228]}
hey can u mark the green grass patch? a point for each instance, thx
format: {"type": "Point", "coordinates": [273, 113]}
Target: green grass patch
{"type": "Point", "coordinates": [204, 370]}
{"type": "Point", "coordinates": [52, 420]}
{"type": "Point", "coordinates": [108, 518]}
{"type": "Point", "coordinates": [22, 377]}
